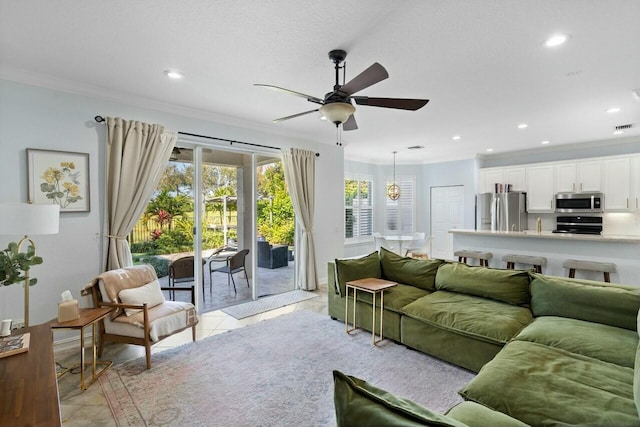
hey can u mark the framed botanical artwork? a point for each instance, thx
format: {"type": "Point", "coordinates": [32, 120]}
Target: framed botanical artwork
{"type": "Point", "coordinates": [60, 177]}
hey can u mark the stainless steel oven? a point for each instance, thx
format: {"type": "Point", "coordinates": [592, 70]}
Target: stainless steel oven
{"type": "Point", "coordinates": [579, 202]}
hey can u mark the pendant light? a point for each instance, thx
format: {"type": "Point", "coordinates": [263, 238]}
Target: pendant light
{"type": "Point", "coordinates": [393, 190]}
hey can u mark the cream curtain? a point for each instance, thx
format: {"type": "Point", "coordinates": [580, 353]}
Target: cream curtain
{"type": "Point", "coordinates": [137, 153]}
{"type": "Point", "coordinates": [299, 174]}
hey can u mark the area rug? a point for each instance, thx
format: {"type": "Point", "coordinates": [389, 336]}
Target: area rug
{"type": "Point", "coordinates": [264, 304]}
{"type": "Point", "coordinates": [277, 372]}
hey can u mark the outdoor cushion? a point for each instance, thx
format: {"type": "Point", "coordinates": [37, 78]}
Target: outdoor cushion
{"type": "Point", "coordinates": [420, 273]}
{"type": "Point", "coordinates": [356, 268]}
{"type": "Point", "coordinates": [480, 318]}
{"type": "Point", "coordinates": [358, 403]}
{"type": "Point", "coordinates": [473, 414]}
{"type": "Point", "coordinates": [599, 302]}
{"type": "Point", "coordinates": [510, 286]}
{"type": "Point", "coordinates": [394, 298]}
{"type": "Point", "coordinates": [542, 385]}
{"type": "Point", "coordinates": [603, 342]}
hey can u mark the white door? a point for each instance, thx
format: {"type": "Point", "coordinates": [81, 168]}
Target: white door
{"type": "Point", "coordinates": [447, 212]}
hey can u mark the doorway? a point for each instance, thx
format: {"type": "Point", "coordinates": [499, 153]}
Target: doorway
{"type": "Point", "coordinates": [447, 212]}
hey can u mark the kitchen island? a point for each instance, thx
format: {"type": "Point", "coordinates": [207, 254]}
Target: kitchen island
{"type": "Point", "coordinates": [623, 250]}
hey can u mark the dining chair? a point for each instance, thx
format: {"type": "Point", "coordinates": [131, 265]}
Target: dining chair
{"type": "Point", "coordinates": [381, 242]}
{"type": "Point", "coordinates": [419, 246]}
{"type": "Point", "coordinates": [234, 264]}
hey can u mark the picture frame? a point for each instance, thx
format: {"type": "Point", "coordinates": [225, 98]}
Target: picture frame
{"type": "Point", "coordinates": [60, 177]}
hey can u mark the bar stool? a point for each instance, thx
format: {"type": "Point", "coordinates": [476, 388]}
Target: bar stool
{"type": "Point", "coordinates": [483, 257]}
{"type": "Point", "coordinates": [537, 261]}
{"type": "Point", "coordinates": [605, 267]}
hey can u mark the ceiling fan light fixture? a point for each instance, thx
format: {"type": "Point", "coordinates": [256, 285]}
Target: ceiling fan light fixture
{"type": "Point", "coordinates": [337, 112]}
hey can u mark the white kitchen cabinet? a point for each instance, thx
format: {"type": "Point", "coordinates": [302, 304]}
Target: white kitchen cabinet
{"type": "Point", "coordinates": [502, 175]}
{"type": "Point", "coordinates": [578, 176]}
{"type": "Point", "coordinates": [635, 183]}
{"type": "Point", "coordinates": [617, 185]}
{"type": "Point", "coordinates": [516, 177]}
{"type": "Point", "coordinates": [540, 188]}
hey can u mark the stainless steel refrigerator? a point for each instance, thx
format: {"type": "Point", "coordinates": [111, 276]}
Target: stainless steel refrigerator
{"type": "Point", "coordinates": [501, 211]}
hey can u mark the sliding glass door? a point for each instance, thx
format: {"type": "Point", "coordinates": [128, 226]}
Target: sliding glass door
{"type": "Point", "coordinates": [230, 209]}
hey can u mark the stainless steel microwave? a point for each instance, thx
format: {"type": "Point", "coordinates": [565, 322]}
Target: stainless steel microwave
{"type": "Point", "coordinates": [579, 202]}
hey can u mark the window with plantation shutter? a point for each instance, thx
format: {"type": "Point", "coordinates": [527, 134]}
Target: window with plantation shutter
{"type": "Point", "coordinates": [358, 207]}
{"type": "Point", "coordinates": [400, 214]}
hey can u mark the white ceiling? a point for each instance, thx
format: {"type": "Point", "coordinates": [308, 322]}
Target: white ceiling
{"type": "Point", "coordinates": [482, 64]}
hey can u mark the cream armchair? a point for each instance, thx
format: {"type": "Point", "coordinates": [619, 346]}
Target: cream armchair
{"type": "Point", "coordinates": [140, 315]}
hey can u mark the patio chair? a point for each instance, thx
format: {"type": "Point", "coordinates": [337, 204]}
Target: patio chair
{"type": "Point", "coordinates": [234, 264]}
{"type": "Point", "coordinates": [181, 270]}
{"type": "Point", "coordinates": [270, 256]}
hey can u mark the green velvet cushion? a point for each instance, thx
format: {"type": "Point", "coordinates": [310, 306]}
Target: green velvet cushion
{"type": "Point", "coordinates": [358, 403]}
{"type": "Point", "coordinates": [480, 318]}
{"type": "Point", "coordinates": [614, 305]}
{"type": "Point", "coordinates": [544, 386]}
{"type": "Point", "coordinates": [475, 415]}
{"type": "Point", "coordinates": [636, 372]}
{"type": "Point", "coordinates": [420, 273]}
{"type": "Point", "coordinates": [357, 268]}
{"type": "Point", "coordinates": [510, 286]}
{"type": "Point", "coordinates": [603, 342]}
{"type": "Point", "coordinates": [394, 298]}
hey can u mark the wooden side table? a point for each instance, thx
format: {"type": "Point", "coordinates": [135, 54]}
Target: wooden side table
{"type": "Point", "coordinates": [88, 317]}
{"type": "Point", "coordinates": [372, 286]}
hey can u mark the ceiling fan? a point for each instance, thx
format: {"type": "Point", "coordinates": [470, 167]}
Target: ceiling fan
{"type": "Point", "coordinates": [336, 106]}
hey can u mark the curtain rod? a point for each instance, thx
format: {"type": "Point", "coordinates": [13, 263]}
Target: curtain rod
{"type": "Point", "coordinates": [100, 119]}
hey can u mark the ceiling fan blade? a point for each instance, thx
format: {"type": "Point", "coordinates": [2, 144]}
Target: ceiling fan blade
{"type": "Point", "coordinates": [350, 124]}
{"type": "Point", "coordinates": [372, 75]}
{"type": "Point", "coordinates": [309, 98]}
{"type": "Point", "coordinates": [281, 119]}
{"type": "Point", "coordinates": [399, 103]}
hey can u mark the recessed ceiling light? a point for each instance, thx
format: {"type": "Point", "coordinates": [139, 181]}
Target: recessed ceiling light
{"type": "Point", "coordinates": [523, 126]}
{"type": "Point", "coordinates": [613, 110]}
{"type": "Point", "coordinates": [544, 142]}
{"type": "Point", "coordinates": [173, 74]}
{"type": "Point", "coordinates": [456, 137]}
{"type": "Point", "coordinates": [555, 40]}
{"type": "Point", "coordinates": [489, 150]}
{"type": "Point", "coordinates": [618, 132]}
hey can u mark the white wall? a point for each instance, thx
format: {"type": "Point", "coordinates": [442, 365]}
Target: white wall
{"type": "Point", "coordinates": [35, 117]}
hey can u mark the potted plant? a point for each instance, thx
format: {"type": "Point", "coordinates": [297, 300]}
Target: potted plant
{"type": "Point", "coordinates": [14, 264]}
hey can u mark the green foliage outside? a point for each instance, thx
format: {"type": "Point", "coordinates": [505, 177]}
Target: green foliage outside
{"type": "Point", "coordinates": [276, 219]}
{"type": "Point", "coordinates": [170, 212]}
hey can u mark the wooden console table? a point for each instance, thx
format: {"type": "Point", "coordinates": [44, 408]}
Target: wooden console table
{"type": "Point", "coordinates": [28, 383]}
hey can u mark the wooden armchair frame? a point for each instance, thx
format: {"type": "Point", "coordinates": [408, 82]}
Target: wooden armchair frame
{"type": "Point", "coordinates": [146, 341]}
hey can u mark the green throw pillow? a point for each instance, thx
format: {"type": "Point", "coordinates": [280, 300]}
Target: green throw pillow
{"type": "Point", "coordinates": [420, 273]}
{"type": "Point", "coordinates": [358, 403]}
{"type": "Point", "coordinates": [599, 302]}
{"type": "Point", "coordinates": [357, 268]}
{"type": "Point", "coordinates": [510, 286]}
{"type": "Point", "coordinates": [636, 372]}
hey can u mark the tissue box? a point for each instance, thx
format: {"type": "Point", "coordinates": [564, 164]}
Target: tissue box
{"type": "Point", "coordinates": [68, 310]}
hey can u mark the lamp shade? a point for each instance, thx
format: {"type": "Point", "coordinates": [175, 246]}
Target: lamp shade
{"type": "Point", "coordinates": [29, 219]}
{"type": "Point", "coordinates": [337, 112]}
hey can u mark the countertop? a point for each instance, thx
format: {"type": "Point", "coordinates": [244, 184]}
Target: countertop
{"type": "Point", "coordinates": [619, 238]}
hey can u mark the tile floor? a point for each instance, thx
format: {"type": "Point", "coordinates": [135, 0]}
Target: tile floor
{"type": "Point", "coordinates": [90, 408]}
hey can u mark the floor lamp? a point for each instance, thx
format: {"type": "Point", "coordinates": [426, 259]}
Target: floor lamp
{"type": "Point", "coordinates": [28, 219]}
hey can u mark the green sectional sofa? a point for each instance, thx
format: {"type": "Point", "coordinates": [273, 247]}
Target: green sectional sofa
{"type": "Point", "coordinates": [547, 350]}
